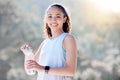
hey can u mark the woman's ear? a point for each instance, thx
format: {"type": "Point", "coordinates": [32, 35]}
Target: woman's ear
{"type": "Point", "coordinates": [65, 18]}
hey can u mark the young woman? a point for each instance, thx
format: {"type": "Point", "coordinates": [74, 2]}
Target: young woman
{"type": "Point", "coordinates": [56, 56]}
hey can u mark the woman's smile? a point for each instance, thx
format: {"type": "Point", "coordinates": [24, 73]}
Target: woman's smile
{"type": "Point", "coordinates": [54, 25]}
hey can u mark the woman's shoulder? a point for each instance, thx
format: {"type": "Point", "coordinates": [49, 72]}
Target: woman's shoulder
{"type": "Point", "coordinates": [69, 41]}
{"type": "Point", "coordinates": [69, 38]}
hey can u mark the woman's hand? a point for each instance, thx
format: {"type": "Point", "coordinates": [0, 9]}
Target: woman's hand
{"type": "Point", "coordinates": [31, 64]}
{"type": "Point", "coordinates": [26, 48]}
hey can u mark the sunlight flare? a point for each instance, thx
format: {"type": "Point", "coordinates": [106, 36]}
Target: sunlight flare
{"type": "Point", "coordinates": [106, 6]}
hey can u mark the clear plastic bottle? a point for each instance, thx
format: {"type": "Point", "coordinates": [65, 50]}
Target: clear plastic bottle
{"type": "Point", "coordinates": [29, 56]}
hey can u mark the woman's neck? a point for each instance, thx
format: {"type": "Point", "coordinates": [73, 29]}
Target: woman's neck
{"type": "Point", "coordinates": [55, 34]}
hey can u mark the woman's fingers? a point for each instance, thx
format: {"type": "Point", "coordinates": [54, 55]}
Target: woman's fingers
{"type": "Point", "coordinates": [31, 64]}
{"type": "Point", "coordinates": [22, 48]}
{"type": "Point", "coordinates": [26, 48]}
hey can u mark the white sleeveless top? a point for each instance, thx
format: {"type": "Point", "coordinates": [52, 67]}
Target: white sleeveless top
{"type": "Point", "coordinates": [53, 55]}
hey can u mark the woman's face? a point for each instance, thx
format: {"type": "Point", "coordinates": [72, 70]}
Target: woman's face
{"type": "Point", "coordinates": [55, 18]}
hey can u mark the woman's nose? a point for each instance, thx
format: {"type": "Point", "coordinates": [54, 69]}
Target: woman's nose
{"type": "Point", "coordinates": [53, 19]}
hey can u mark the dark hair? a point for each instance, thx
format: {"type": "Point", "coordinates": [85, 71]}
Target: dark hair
{"type": "Point", "coordinates": [66, 25]}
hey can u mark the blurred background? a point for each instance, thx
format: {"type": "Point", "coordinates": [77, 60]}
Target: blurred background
{"type": "Point", "coordinates": [95, 24]}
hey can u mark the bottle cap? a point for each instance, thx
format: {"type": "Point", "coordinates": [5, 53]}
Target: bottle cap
{"type": "Point", "coordinates": [28, 49]}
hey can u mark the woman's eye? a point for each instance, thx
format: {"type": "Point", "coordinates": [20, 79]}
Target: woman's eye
{"type": "Point", "coordinates": [49, 16]}
{"type": "Point", "coordinates": [54, 17]}
{"type": "Point", "coordinates": [58, 16]}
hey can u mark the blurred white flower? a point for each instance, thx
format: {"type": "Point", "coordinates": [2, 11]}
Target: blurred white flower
{"type": "Point", "coordinates": [90, 74]}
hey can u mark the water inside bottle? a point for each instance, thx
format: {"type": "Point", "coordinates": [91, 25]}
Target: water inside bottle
{"type": "Point", "coordinates": [30, 71]}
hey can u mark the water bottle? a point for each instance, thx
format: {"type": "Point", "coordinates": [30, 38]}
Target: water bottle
{"type": "Point", "coordinates": [29, 56]}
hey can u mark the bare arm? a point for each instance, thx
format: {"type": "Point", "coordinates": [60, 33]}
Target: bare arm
{"type": "Point", "coordinates": [69, 44]}
{"type": "Point", "coordinates": [36, 57]}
